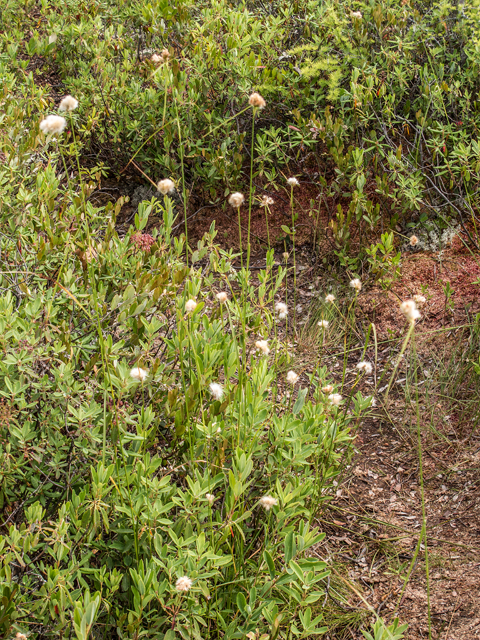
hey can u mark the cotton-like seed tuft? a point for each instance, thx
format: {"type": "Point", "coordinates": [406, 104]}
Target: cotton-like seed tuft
{"type": "Point", "coordinates": [267, 201]}
{"type": "Point", "coordinates": [222, 296]}
{"type": "Point", "coordinates": [293, 182]}
{"type": "Point", "coordinates": [166, 186]}
{"type": "Point", "coordinates": [282, 310]}
{"type": "Point", "coordinates": [335, 398]}
{"type": "Point", "coordinates": [139, 374]}
{"type": "Point", "coordinates": [356, 284]}
{"type": "Point", "coordinates": [236, 200]}
{"type": "Point", "coordinates": [256, 100]}
{"type": "Point", "coordinates": [364, 366]}
{"type": "Point", "coordinates": [328, 388]}
{"type": "Point", "coordinates": [53, 124]}
{"type": "Point", "coordinates": [210, 498]}
{"type": "Point", "coordinates": [413, 241]}
{"type": "Point", "coordinates": [410, 311]}
{"type": "Point", "coordinates": [267, 502]}
{"type": "Point", "coordinates": [69, 103]}
{"type": "Point", "coordinates": [190, 305]}
{"type": "Point", "coordinates": [419, 299]}
{"type": "Point", "coordinates": [330, 298]}
{"type": "Point", "coordinates": [292, 377]}
{"type": "Point", "coordinates": [323, 324]}
{"type": "Point", "coordinates": [183, 584]}
{"type": "Point", "coordinates": [216, 390]}
{"type": "Point", "coordinates": [262, 345]}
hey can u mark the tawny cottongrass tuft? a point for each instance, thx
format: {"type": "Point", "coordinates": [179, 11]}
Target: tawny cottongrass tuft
{"type": "Point", "coordinates": [236, 200]}
{"type": "Point", "coordinates": [190, 305]}
{"type": "Point", "coordinates": [165, 55]}
{"type": "Point", "coordinates": [256, 100]}
{"type": "Point", "coordinates": [69, 103]}
{"type": "Point", "coordinates": [335, 398]}
{"type": "Point", "coordinates": [365, 366]}
{"type": "Point", "coordinates": [138, 374]}
{"type": "Point", "coordinates": [328, 388]}
{"type": "Point", "coordinates": [216, 390]}
{"type": "Point", "coordinates": [323, 324]}
{"type": "Point", "coordinates": [53, 124]}
{"type": "Point", "coordinates": [267, 201]}
{"type": "Point", "coordinates": [285, 255]}
{"type": "Point", "coordinates": [262, 345]}
{"type": "Point", "coordinates": [52, 38]}
{"type": "Point", "coordinates": [267, 502]}
{"type": "Point", "coordinates": [419, 299]}
{"type": "Point", "coordinates": [292, 377]}
{"type": "Point", "coordinates": [282, 310]}
{"type": "Point", "coordinates": [210, 498]}
{"type": "Point", "coordinates": [183, 584]}
{"type": "Point", "coordinates": [413, 241]}
{"type": "Point", "coordinates": [357, 15]}
{"type": "Point", "coordinates": [222, 297]}
{"type": "Point", "coordinates": [356, 284]}
{"type": "Point", "coordinates": [166, 186]}
{"type": "Point", "coordinates": [410, 311]}
{"type": "Point", "coordinates": [293, 182]}
{"type": "Point", "coordinates": [330, 298]}
{"type": "Point", "coordinates": [156, 59]}
{"type": "Point", "coordinates": [20, 636]}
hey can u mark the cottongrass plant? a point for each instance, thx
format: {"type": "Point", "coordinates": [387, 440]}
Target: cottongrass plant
{"type": "Point", "coordinates": [138, 374]}
{"type": "Point", "coordinates": [184, 583]}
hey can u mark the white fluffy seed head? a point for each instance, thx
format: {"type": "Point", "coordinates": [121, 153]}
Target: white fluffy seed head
{"type": "Point", "coordinates": [262, 345]}
{"type": "Point", "coordinates": [293, 182]}
{"type": "Point", "coordinates": [53, 124]}
{"type": "Point", "coordinates": [139, 374]}
{"type": "Point", "coordinates": [183, 584]}
{"type": "Point", "coordinates": [335, 398]}
{"type": "Point", "coordinates": [282, 310]}
{"type": "Point", "coordinates": [165, 55]}
{"type": "Point", "coordinates": [413, 241]}
{"type": "Point", "coordinates": [267, 201]}
{"type": "Point", "coordinates": [222, 296]}
{"type": "Point", "coordinates": [236, 200]}
{"type": "Point", "coordinates": [156, 59]}
{"type": "Point", "coordinates": [410, 311]}
{"type": "Point", "coordinates": [166, 186]}
{"type": "Point", "coordinates": [292, 377]}
{"type": "Point", "coordinates": [323, 324]}
{"type": "Point", "coordinates": [256, 100]}
{"type": "Point", "coordinates": [216, 390]}
{"type": "Point", "coordinates": [267, 502]}
{"type": "Point", "coordinates": [356, 284]}
{"type": "Point", "coordinates": [328, 388]}
{"type": "Point", "coordinates": [357, 14]}
{"type": "Point", "coordinates": [210, 498]}
{"type": "Point", "coordinates": [190, 305]}
{"type": "Point", "coordinates": [330, 298]}
{"type": "Point", "coordinates": [69, 103]}
{"type": "Point", "coordinates": [419, 299]}
{"type": "Point", "coordinates": [365, 366]}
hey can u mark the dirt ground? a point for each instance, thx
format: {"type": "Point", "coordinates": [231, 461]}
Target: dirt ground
{"type": "Point", "coordinates": [373, 525]}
